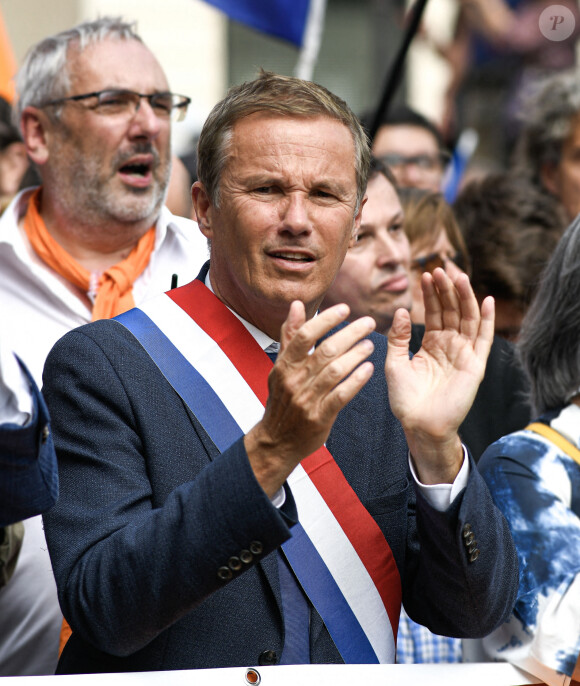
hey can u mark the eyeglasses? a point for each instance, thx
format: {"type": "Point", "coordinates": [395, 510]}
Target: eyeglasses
{"type": "Point", "coordinates": [426, 163]}
{"type": "Point", "coordinates": [429, 263]}
{"type": "Point", "coordinates": [114, 102]}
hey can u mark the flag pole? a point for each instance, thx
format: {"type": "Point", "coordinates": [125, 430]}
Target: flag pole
{"type": "Point", "coordinates": [312, 39]}
{"type": "Point", "coordinates": [396, 72]}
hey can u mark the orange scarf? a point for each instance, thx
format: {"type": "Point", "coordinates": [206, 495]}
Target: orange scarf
{"type": "Point", "coordinates": [114, 286]}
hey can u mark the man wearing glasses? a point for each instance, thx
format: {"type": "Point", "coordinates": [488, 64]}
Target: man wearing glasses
{"type": "Point", "coordinates": [412, 147]}
{"type": "Point", "coordinates": [95, 112]}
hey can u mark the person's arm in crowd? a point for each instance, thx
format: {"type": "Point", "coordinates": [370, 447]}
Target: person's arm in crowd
{"type": "Point", "coordinates": [533, 488]}
{"type": "Point", "coordinates": [29, 480]}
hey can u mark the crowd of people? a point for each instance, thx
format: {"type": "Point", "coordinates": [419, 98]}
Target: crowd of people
{"type": "Point", "coordinates": [317, 415]}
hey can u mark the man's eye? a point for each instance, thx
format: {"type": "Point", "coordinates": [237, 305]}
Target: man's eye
{"type": "Point", "coordinates": [162, 103]}
{"type": "Point", "coordinates": [112, 99]}
{"type": "Point", "coordinates": [320, 193]}
{"type": "Point", "coordinates": [361, 237]}
{"type": "Point", "coordinates": [263, 190]}
{"type": "Point", "coordinates": [396, 228]}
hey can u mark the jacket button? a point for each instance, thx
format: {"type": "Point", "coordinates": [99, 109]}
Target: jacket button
{"type": "Point", "coordinates": [256, 547]}
{"type": "Point", "coordinates": [469, 539]}
{"type": "Point", "coordinates": [474, 555]}
{"type": "Point", "coordinates": [45, 433]}
{"type": "Point", "coordinates": [466, 530]}
{"type": "Point", "coordinates": [472, 547]}
{"type": "Point", "coordinates": [234, 564]}
{"type": "Point", "coordinates": [225, 573]}
{"type": "Point", "coordinates": [246, 556]}
{"type": "Point", "coordinates": [268, 657]}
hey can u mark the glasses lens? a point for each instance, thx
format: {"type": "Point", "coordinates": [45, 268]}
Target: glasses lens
{"type": "Point", "coordinates": [458, 260]}
{"type": "Point", "coordinates": [428, 263]}
{"type": "Point", "coordinates": [115, 101]}
{"type": "Point", "coordinates": [180, 103]}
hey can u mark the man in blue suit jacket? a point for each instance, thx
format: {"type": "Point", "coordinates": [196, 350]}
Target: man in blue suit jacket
{"type": "Point", "coordinates": [166, 545]}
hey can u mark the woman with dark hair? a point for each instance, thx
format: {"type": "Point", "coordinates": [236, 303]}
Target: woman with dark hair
{"type": "Point", "coordinates": [534, 477]}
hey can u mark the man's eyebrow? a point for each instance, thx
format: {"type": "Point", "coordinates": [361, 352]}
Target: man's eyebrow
{"type": "Point", "coordinates": [396, 218]}
{"type": "Point", "coordinates": [336, 188]}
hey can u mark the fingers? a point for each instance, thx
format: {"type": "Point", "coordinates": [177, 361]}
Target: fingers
{"type": "Point", "coordinates": [486, 329]}
{"type": "Point", "coordinates": [308, 389]}
{"type": "Point", "coordinates": [296, 317]}
{"type": "Point", "coordinates": [450, 305]}
{"type": "Point", "coordinates": [331, 375]}
{"type": "Point", "coordinates": [301, 335]}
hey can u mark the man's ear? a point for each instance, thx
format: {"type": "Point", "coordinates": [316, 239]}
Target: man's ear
{"type": "Point", "coordinates": [203, 209]}
{"type": "Point", "coordinates": [357, 223]}
{"type": "Point", "coordinates": [36, 129]}
{"type": "Point", "coordinates": [550, 177]}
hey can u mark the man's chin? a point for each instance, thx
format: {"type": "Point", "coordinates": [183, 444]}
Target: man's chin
{"type": "Point", "coordinates": [137, 207]}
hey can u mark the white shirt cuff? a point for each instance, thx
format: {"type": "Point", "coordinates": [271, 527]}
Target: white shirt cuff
{"type": "Point", "coordinates": [15, 399]}
{"type": "Point", "coordinates": [440, 496]}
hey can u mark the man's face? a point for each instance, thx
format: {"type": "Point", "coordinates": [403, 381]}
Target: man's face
{"type": "Point", "coordinates": [563, 179]}
{"type": "Point", "coordinates": [286, 215]}
{"type": "Point", "coordinates": [412, 154]}
{"type": "Point", "coordinates": [373, 279]}
{"type": "Point", "coordinates": [110, 167]}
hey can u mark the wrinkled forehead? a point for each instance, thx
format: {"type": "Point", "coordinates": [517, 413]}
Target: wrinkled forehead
{"type": "Point", "coordinates": [115, 63]}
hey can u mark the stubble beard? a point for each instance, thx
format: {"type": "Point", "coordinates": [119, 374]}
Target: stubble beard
{"type": "Point", "coordinates": [94, 199]}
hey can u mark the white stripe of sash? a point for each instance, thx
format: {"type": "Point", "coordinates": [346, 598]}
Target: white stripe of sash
{"type": "Point", "coordinates": [208, 358]}
{"type": "Point", "coordinates": [344, 564]}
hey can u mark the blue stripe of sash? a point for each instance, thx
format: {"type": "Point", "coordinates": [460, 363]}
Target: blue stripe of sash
{"type": "Point", "coordinates": [317, 581]}
{"type": "Point", "coordinates": [185, 379]}
{"type": "Point", "coordinates": [320, 586]}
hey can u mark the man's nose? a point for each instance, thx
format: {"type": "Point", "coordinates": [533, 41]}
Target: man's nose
{"type": "Point", "coordinates": [144, 121]}
{"type": "Point", "coordinates": [389, 251]}
{"type": "Point", "coordinates": [296, 215]}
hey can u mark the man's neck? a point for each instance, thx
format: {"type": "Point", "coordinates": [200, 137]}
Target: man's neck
{"type": "Point", "coordinates": [94, 247]}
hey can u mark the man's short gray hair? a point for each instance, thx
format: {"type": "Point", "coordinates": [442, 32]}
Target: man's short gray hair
{"type": "Point", "coordinates": [274, 94]}
{"type": "Point", "coordinates": [44, 75]}
{"type": "Point", "coordinates": [547, 119]}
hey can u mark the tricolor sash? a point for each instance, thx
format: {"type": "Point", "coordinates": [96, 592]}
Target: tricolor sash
{"type": "Point", "coordinates": [337, 551]}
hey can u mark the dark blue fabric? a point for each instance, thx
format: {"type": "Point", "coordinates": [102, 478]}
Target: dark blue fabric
{"type": "Point", "coordinates": [296, 615]}
{"type": "Point", "coordinates": [282, 18]}
{"type": "Point", "coordinates": [28, 469]}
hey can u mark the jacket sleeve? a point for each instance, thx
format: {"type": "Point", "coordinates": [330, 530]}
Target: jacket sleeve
{"type": "Point", "coordinates": [463, 568]}
{"type": "Point", "coordinates": [29, 477]}
{"type": "Point", "coordinates": [149, 518]}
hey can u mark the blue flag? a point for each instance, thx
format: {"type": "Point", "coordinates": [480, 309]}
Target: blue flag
{"type": "Point", "coordinates": [285, 19]}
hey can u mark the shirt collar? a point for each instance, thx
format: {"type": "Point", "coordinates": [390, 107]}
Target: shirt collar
{"type": "Point", "coordinates": [262, 339]}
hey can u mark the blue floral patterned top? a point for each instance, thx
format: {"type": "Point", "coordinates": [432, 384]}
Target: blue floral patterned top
{"type": "Point", "coordinates": [537, 487]}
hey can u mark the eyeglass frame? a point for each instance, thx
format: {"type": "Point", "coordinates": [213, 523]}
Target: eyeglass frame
{"type": "Point", "coordinates": [442, 159]}
{"type": "Point", "coordinates": [435, 258]}
{"type": "Point", "coordinates": [177, 112]}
